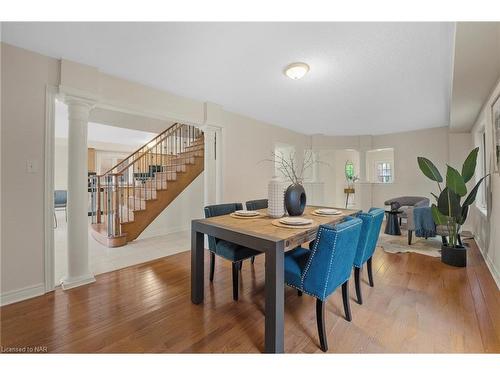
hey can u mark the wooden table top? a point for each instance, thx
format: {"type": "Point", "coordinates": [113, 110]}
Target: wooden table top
{"type": "Point", "coordinates": [261, 227]}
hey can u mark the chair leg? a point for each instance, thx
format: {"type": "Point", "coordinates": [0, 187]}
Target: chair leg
{"type": "Point", "coordinates": [235, 267]}
{"type": "Point", "coordinates": [240, 265]}
{"type": "Point", "coordinates": [299, 293]}
{"type": "Point", "coordinates": [410, 235]}
{"type": "Point", "coordinates": [320, 320]}
{"type": "Point", "coordinates": [345, 299]}
{"type": "Point", "coordinates": [370, 273]}
{"type": "Point", "coordinates": [253, 260]}
{"type": "Point", "coordinates": [400, 220]}
{"type": "Point", "coordinates": [212, 266]}
{"type": "Point", "coordinates": [358, 285]}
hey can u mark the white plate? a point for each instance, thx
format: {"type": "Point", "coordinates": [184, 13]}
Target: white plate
{"type": "Point", "coordinates": [246, 213]}
{"type": "Point", "coordinates": [295, 221]}
{"type": "Point", "coordinates": [328, 211]}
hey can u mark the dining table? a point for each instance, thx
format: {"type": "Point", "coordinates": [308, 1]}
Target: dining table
{"type": "Point", "coordinates": [260, 234]}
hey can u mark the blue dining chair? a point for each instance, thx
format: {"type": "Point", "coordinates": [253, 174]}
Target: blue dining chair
{"type": "Point", "coordinates": [372, 221]}
{"type": "Point", "coordinates": [319, 271]}
{"type": "Point", "coordinates": [257, 204]}
{"type": "Point", "coordinates": [236, 254]}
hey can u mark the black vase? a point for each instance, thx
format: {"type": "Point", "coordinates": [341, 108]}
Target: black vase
{"type": "Point", "coordinates": [295, 200]}
{"type": "Point", "coordinates": [454, 256]}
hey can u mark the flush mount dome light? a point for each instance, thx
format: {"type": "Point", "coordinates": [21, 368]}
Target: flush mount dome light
{"type": "Point", "coordinates": [296, 70]}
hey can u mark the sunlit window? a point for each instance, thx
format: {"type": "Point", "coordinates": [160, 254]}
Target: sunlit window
{"type": "Point", "coordinates": [384, 172]}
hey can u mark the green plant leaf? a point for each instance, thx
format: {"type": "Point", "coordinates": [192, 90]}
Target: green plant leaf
{"type": "Point", "coordinates": [472, 195]}
{"type": "Point", "coordinates": [469, 166]}
{"type": "Point", "coordinates": [429, 169]}
{"type": "Point", "coordinates": [463, 217]}
{"type": "Point", "coordinates": [438, 217]}
{"type": "Point", "coordinates": [449, 203]}
{"type": "Point", "coordinates": [455, 182]}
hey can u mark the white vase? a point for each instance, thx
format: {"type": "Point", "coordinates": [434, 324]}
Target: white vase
{"type": "Point", "coordinates": [276, 197]}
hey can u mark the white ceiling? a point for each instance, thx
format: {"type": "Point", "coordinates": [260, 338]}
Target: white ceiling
{"type": "Point", "coordinates": [365, 78]}
{"type": "Point", "coordinates": [103, 134]}
{"type": "Point", "coordinates": [476, 70]}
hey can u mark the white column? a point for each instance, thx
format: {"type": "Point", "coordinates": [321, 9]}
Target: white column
{"type": "Point", "coordinates": [78, 251]}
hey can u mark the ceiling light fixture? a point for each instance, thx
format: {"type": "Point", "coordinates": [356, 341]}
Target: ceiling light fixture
{"type": "Point", "coordinates": [296, 70]}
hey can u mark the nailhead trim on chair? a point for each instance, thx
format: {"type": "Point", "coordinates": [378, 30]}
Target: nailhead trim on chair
{"type": "Point", "coordinates": [330, 266]}
{"type": "Point", "coordinates": [331, 259]}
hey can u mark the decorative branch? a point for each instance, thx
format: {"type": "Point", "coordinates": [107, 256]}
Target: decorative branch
{"type": "Point", "coordinates": [289, 168]}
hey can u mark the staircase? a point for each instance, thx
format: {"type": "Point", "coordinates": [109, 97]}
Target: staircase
{"type": "Point", "coordinates": [128, 197]}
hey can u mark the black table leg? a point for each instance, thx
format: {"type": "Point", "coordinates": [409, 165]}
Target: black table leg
{"type": "Point", "coordinates": [275, 301]}
{"type": "Point", "coordinates": [197, 266]}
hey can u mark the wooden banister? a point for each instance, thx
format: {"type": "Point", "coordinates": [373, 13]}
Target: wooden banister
{"type": "Point", "coordinates": [163, 133]}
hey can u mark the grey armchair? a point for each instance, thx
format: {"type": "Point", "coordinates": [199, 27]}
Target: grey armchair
{"type": "Point", "coordinates": [441, 230]}
{"type": "Point", "coordinates": [405, 202]}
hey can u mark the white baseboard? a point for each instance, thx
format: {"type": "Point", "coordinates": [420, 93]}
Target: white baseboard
{"type": "Point", "coordinates": [78, 281]}
{"type": "Point", "coordinates": [494, 272]}
{"type": "Point", "coordinates": [162, 232]}
{"type": "Point", "coordinates": [18, 295]}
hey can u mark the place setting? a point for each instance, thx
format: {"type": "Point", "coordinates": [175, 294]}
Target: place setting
{"type": "Point", "coordinates": [294, 222]}
{"type": "Point", "coordinates": [246, 214]}
{"type": "Point", "coordinates": [326, 212]}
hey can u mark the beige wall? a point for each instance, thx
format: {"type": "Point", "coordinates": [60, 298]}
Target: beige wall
{"type": "Point", "coordinates": [487, 227]}
{"type": "Point", "coordinates": [24, 79]}
{"type": "Point", "coordinates": [431, 143]}
{"type": "Point", "coordinates": [246, 143]}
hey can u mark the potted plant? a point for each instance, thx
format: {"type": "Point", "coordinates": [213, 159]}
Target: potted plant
{"type": "Point", "coordinates": [449, 210]}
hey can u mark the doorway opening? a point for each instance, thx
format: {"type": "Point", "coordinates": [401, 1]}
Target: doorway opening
{"type": "Point", "coordinates": [112, 137]}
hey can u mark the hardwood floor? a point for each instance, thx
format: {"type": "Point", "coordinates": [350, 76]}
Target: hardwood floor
{"type": "Point", "coordinates": [417, 305]}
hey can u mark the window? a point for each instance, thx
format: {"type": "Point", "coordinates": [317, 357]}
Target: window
{"type": "Point", "coordinates": [349, 170]}
{"type": "Point", "coordinates": [384, 172]}
{"type": "Point", "coordinates": [380, 166]}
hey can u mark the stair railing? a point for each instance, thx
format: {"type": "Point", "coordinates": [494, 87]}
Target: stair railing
{"type": "Point", "coordinates": [123, 189]}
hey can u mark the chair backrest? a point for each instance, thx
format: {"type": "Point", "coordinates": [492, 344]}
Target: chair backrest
{"type": "Point", "coordinates": [256, 204]}
{"type": "Point", "coordinates": [330, 262]}
{"type": "Point", "coordinates": [60, 197]}
{"type": "Point", "coordinates": [372, 221]}
{"type": "Point", "coordinates": [219, 210]}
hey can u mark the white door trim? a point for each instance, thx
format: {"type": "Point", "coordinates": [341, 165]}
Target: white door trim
{"type": "Point", "coordinates": [213, 164]}
{"type": "Point", "coordinates": [50, 98]}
